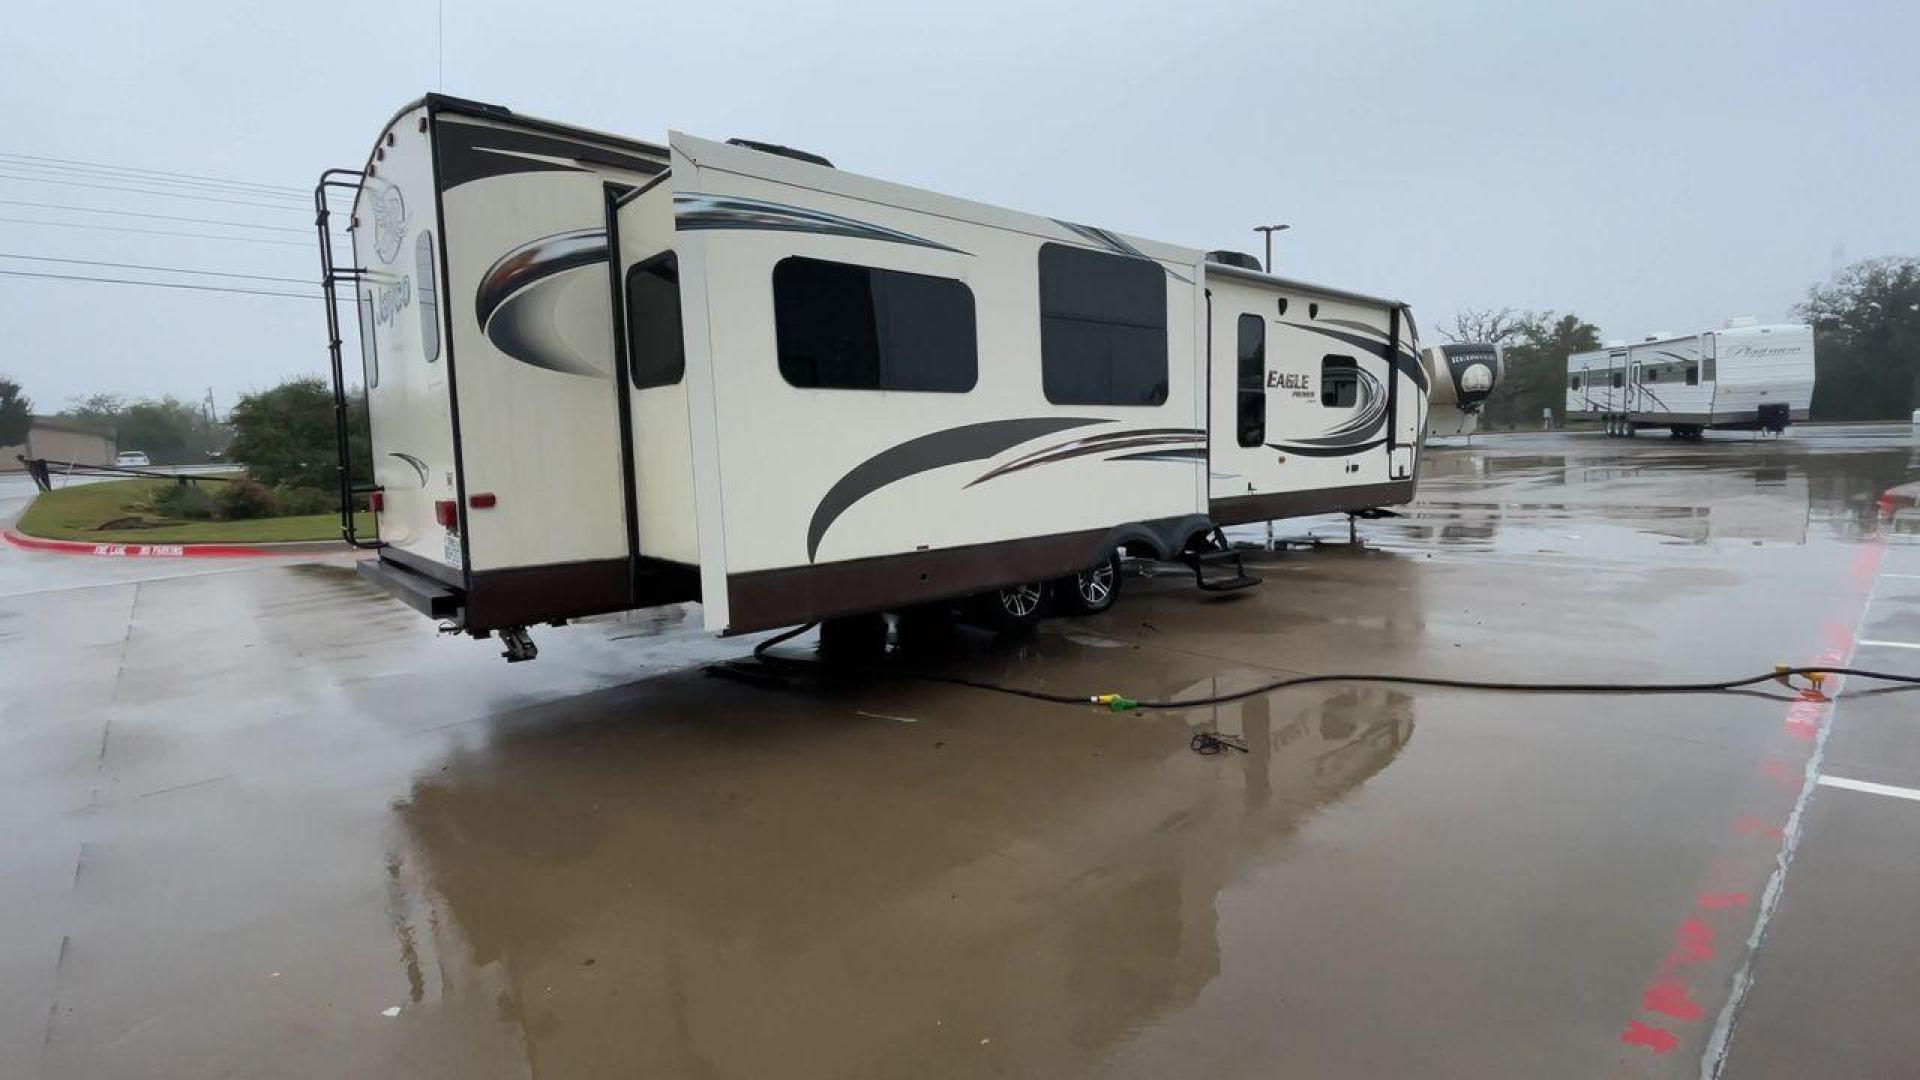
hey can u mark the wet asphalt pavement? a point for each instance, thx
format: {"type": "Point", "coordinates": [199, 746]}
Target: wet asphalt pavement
{"type": "Point", "coordinates": [257, 820]}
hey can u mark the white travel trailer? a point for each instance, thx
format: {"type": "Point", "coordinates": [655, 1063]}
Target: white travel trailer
{"type": "Point", "coordinates": [603, 374]}
{"type": "Point", "coordinates": [1462, 376]}
{"type": "Point", "coordinates": [1743, 377]}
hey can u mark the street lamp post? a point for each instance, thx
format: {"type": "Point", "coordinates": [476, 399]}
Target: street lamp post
{"type": "Point", "coordinates": [1269, 230]}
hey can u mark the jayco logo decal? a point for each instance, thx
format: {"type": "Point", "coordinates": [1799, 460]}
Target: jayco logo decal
{"type": "Point", "coordinates": [391, 298]}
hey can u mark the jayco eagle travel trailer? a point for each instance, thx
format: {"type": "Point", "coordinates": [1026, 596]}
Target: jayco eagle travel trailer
{"type": "Point", "coordinates": [1743, 377]}
{"type": "Point", "coordinates": [1462, 376]}
{"type": "Point", "coordinates": [603, 374]}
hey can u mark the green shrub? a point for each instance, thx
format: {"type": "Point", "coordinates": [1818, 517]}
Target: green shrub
{"type": "Point", "coordinates": [295, 501]}
{"type": "Point", "coordinates": [187, 502]}
{"type": "Point", "coordinates": [245, 499]}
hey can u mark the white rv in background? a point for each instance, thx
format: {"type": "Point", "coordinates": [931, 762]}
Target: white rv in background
{"type": "Point", "coordinates": [604, 374]}
{"type": "Point", "coordinates": [1462, 376]}
{"type": "Point", "coordinates": [1744, 377]}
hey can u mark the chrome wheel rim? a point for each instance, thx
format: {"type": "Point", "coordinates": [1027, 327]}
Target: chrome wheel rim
{"type": "Point", "coordinates": [1020, 601]}
{"type": "Point", "coordinates": [1096, 585]}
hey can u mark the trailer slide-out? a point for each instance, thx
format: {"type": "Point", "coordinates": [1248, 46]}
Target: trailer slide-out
{"type": "Point", "coordinates": [604, 374]}
{"type": "Point", "coordinates": [1744, 377]}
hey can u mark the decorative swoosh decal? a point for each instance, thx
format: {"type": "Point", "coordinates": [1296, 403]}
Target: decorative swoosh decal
{"type": "Point", "coordinates": [1096, 444]}
{"type": "Point", "coordinates": [694, 211]}
{"type": "Point", "coordinates": [520, 293]}
{"type": "Point", "coordinates": [1115, 243]}
{"type": "Point", "coordinates": [1404, 362]}
{"type": "Point", "coordinates": [954, 446]}
{"type": "Point", "coordinates": [418, 465]}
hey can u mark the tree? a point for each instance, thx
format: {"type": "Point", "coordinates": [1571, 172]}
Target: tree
{"type": "Point", "coordinates": [16, 413]}
{"type": "Point", "coordinates": [1486, 326]}
{"type": "Point", "coordinates": [285, 436]}
{"type": "Point", "coordinates": [1866, 339]}
{"type": "Point", "coordinates": [168, 430]}
{"type": "Point", "coordinates": [1537, 352]}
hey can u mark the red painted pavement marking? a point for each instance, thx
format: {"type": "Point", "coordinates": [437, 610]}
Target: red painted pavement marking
{"type": "Point", "coordinates": [1669, 996]}
{"type": "Point", "coordinates": [1658, 1040]}
{"type": "Point", "coordinates": [150, 551]}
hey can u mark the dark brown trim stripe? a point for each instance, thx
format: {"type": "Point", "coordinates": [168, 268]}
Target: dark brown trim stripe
{"type": "Point", "coordinates": [764, 599]}
{"type": "Point", "coordinates": [1241, 509]}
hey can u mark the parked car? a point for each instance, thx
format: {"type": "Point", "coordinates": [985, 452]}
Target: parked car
{"type": "Point", "coordinates": [132, 459]}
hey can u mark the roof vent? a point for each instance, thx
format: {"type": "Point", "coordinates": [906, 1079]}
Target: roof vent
{"type": "Point", "coordinates": [783, 151]}
{"type": "Point", "coordinates": [1660, 335]}
{"type": "Point", "coordinates": [1235, 258]}
{"type": "Point", "coordinates": [1741, 322]}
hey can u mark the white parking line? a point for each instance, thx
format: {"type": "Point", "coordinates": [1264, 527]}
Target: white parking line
{"type": "Point", "coordinates": [1892, 644]}
{"type": "Point", "coordinates": [1871, 788]}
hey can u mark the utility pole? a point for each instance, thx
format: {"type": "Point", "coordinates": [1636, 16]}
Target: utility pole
{"type": "Point", "coordinates": [1269, 230]}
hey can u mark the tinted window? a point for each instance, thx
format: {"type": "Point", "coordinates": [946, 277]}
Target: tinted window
{"type": "Point", "coordinates": [1707, 366]}
{"type": "Point", "coordinates": [1619, 380]}
{"type": "Point", "coordinates": [656, 355]}
{"type": "Point", "coordinates": [1573, 383]}
{"type": "Point", "coordinates": [1253, 380]}
{"type": "Point", "coordinates": [1103, 328]}
{"type": "Point", "coordinates": [850, 327]}
{"type": "Point", "coordinates": [1693, 375]}
{"type": "Point", "coordinates": [369, 353]}
{"type": "Point", "coordinates": [1339, 382]}
{"type": "Point", "coordinates": [429, 298]}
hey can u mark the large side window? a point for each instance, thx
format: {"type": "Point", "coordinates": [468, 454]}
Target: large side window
{"type": "Point", "coordinates": [1619, 379]}
{"type": "Point", "coordinates": [429, 296]}
{"type": "Point", "coordinates": [1253, 380]}
{"type": "Point", "coordinates": [1103, 328]}
{"type": "Point", "coordinates": [656, 353]}
{"type": "Point", "coordinates": [1339, 382]}
{"type": "Point", "coordinates": [847, 327]}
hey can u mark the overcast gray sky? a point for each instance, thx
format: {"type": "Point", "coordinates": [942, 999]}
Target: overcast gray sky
{"type": "Point", "coordinates": [1646, 165]}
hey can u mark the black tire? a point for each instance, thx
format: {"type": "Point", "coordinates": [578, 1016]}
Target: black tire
{"type": "Point", "coordinates": [1015, 607]}
{"type": "Point", "coordinates": [1091, 591]}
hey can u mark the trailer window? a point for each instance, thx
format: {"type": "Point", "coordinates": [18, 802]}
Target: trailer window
{"type": "Point", "coordinates": [429, 297]}
{"type": "Point", "coordinates": [1693, 375]}
{"type": "Point", "coordinates": [656, 354]}
{"type": "Point", "coordinates": [1103, 328]}
{"type": "Point", "coordinates": [369, 353]}
{"type": "Point", "coordinates": [846, 327]}
{"type": "Point", "coordinates": [1707, 365]}
{"type": "Point", "coordinates": [1573, 383]}
{"type": "Point", "coordinates": [1619, 379]}
{"type": "Point", "coordinates": [1339, 382]}
{"type": "Point", "coordinates": [1253, 380]}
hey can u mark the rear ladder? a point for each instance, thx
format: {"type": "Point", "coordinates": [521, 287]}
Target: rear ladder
{"type": "Point", "coordinates": [332, 274]}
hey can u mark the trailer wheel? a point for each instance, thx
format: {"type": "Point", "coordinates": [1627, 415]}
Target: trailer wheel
{"type": "Point", "coordinates": [1016, 607]}
{"type": "Point", "coordinates": [1093, 590]}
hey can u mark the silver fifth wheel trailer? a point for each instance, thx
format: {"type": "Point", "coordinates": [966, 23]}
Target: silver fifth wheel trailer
{"type": "Point", "coordinates": [1462, 375]}
{"type": "Point", "coordinates": [603, 374]}
{"type": "Point", "coordinates": [1743, 377]}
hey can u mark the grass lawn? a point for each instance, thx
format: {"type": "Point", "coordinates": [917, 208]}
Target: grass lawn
{"type": "Point", "coordinates": [77, 513]}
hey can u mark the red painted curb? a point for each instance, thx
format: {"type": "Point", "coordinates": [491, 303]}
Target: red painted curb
{"type": "Point", "coordinates": [158, 551]}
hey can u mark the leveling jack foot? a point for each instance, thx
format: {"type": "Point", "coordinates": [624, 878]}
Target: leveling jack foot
{"type": "Point", "coordinates": [519, 645]}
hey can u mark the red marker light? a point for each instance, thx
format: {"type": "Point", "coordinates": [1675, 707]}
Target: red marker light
{"type": "Point", "coordinates": [377, 501]}
{"type": "Point", "coordinates": [446, 512]}
{"type": "Point", "coordinates": [481, 500]}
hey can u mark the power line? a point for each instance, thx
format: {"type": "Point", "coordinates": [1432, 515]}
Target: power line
{"type": "Point", "coordinates": [144, 191]}
{"type": "Point", "coordinates": [166, 285]}
{"type": "Point", "coordinates": [156, 269]}
{"type": "Point", "coordinates": [150, 172]}
{"type": "Point", "coordinates": [157, 232]}
{"type": "Point", "coordinates": [161, 217]}
{"type": "Point", "coordinates": [70, 174]}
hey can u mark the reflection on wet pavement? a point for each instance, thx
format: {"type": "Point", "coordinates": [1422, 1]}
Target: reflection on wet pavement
{"type": "Point", "coordinates": [269, 823]}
